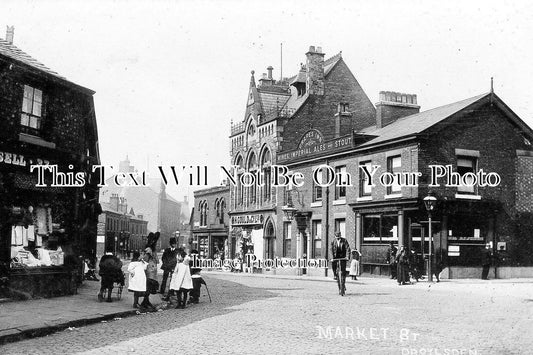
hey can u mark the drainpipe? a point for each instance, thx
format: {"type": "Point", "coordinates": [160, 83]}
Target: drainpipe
{"type": "Point", "coordinates": [327, 224]}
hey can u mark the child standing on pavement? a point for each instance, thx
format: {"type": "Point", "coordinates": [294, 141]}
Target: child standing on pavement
{"type": "Point", "coordinates": [181, 281]}
{"type": "Point", "coordinates": [137, 280]}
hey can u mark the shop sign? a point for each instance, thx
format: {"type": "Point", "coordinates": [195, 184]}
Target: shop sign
{"type": "Point", "coordinates": [247, 219]}
{"type": "Point", "coordinates": [311, 138]}
{"type": "Point", "coordinates": [454, 250]}
{"type": "Point", "coordinates": [100, 228]}
{"type": "Point", "coordinates": [466, 239]}
{"type": "Point", "coordinates": [20, 160]}
{"type": "Point", "coordinates": [318, 148]}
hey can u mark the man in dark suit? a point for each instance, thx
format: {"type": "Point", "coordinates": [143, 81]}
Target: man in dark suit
{"type": "Point", "coordinates": [486, 260]}
{"type": "Point", "coordinates": [340, 249]}
{"type": "Point", "coordinates": [169, 263]}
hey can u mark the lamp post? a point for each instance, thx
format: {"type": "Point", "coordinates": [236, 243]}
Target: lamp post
{"type": "Point", "coordinates": [430, 202]}
{"type": "Point", "coordinates": [292, 213]}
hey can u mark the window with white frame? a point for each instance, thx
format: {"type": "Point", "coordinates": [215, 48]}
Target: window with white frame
{"type": "Point", "coordinates": [32, 102]}
{"type": "Point", "coordinates": [316, 230]}
{"type": "Point", "coordinates": [341, 181]}
{"type": "Point", "coordinates": [287, 230]}
{"type": "Point", "coordinates": [365, 189]}
{"type": "Point", "coordinates": [467, 165]}
{"type": "Point", "coordinates": [394, 166]}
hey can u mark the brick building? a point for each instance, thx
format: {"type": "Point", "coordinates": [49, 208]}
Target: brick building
{"type": "Point", "coordinates": [162, 212]}
{"type": "Point", "coordinates": [469, 136]}
{"type": "Point", "coordinates": [210, 223]}
{"type": "Point", "coordinates": [322, 116]}
{"type": "Point", "coordinates": [45, 119]}
{"type": "Point", "coordinates": [120, 230]}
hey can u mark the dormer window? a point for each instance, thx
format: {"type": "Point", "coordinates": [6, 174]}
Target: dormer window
{"type": "Point", "coordinates": [31, 115]}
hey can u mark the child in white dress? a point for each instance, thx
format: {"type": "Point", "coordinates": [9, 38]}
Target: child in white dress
{"type": "Point", "coordinates": [181, 281]}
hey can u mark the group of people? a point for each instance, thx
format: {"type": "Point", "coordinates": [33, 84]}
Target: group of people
{"type": "Point", "coordinates": [405, 263]}
{"type": "Point", "coordinates": [184, 280]}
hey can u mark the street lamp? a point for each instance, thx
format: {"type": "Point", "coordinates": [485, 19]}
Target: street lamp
{"type": "Point", "coordinates": [431, 203]}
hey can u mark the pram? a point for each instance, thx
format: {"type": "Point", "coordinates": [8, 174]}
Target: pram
{"type": "Point", "coordinates": [118, 285]}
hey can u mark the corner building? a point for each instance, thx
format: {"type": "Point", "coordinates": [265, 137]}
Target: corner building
{"type": "Point", "coordinates": [318, 105]}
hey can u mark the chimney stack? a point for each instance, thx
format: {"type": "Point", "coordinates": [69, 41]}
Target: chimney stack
{"type": "Point", "coordinates": [113, 202]}
{"type": "Point", "coordinates": [315, 71]}
{"type": "Point", "coordinates": [10, 33]}
{"type": "Point", "coordinates": [267, 78]}
{"type": "Point", "coordinates": [394, 105]}
{"type": "Point", "coordinates": [270, 72]}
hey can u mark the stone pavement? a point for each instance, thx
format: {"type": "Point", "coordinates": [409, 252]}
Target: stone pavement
{"type": "Point", "coordinates": [282, 313]}
{"type": "Point", "coordinates": [37, 317]}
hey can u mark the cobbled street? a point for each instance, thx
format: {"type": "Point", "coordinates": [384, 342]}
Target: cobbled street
{"type": "Point", "coordinates": [256, 314]}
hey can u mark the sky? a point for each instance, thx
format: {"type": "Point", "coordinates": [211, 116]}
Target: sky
{"type": "Point", "coordinates": [170, 76]}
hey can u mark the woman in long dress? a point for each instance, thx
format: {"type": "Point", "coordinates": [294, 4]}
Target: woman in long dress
{"type": "Point", "coordinates": [402, 258]}
{"type": "Point", "coordinates": [354, 265]}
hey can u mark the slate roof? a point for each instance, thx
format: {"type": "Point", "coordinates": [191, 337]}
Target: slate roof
{"type": "Point", "coordinates": [417, 123]}
{"type": "Point", "coordinates": [11, 51]}
{"type": "Point", "coordinates": [330, 63]}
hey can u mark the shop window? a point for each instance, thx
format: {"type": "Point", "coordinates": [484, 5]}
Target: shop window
{"type": "Point", "coordinates": [365, 189]}
{"type": "Point", "coordinates": [287, 231]}
{"type": "Point", "coordinates": [394, 166]}
{"type": "Point", "coordinates": [380, 228]}
{"type": "Point", "coordinates": [316, 230]}
{"type": "Point", "coordinates": [31, 117]}
{"type": "Point", "coordinates": [340, 226]}
{"type": "Point", "coordinates": [467, 165]}
{"type": "Point", "coordinates": [342, 179]}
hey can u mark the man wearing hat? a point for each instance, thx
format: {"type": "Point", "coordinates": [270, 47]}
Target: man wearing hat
{"type": "Point", "coordinates": [169, 263]}
{"type": "Point", "coordinates": [340, 249]}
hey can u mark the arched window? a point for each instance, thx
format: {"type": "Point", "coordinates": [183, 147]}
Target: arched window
{"type": "Point", "coordinates": [202, 207]}
{"type": "Point", "coordinates": [220, 210]}
{"type": "Point", "coordinates": [266, 161]}
{"type": "Point", "coordinates": [270, 241]}
{"type": "Point", "coordinates": [239, 190]}
{"type": "Point", "coordinates": [252, 168]}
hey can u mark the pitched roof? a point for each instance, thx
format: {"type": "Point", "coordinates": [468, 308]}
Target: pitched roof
{"type": "Point", "coordinates": [11, 51]}
{"type": "Point", "coordinates": [14, 53]}
{"type": "Point", "coordinates": [417, 123]}
{"type": "Point", "coordinates": [330, 62]}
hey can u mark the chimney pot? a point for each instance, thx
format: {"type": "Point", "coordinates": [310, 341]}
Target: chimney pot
{"type": "Point", "coordinates": [319, 49]}
{"type": "Point", "coordinates": [10, 33]}
{"type": "Point", "coordinates": [311, 48]}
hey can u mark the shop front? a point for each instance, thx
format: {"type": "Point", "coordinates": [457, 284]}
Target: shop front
{"type": "Point", "coordinates": [253, 234]}
{"type": "Point", "coordinates": [43, 231]}
{"type": "Point", "coordinates": [460, 231]}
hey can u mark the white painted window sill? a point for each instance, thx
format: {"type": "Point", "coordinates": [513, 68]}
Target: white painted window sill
{"type": "Point", "coordinates": [339, 202]}
{"type": "Point", "coordinates": [364, 198]}
{"type": "Point", "coordinates": [467, 197]}
{"type": "Point", "coordinates": [393, 196]}
{"type": "Point", "coordinates": [316, 204]}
